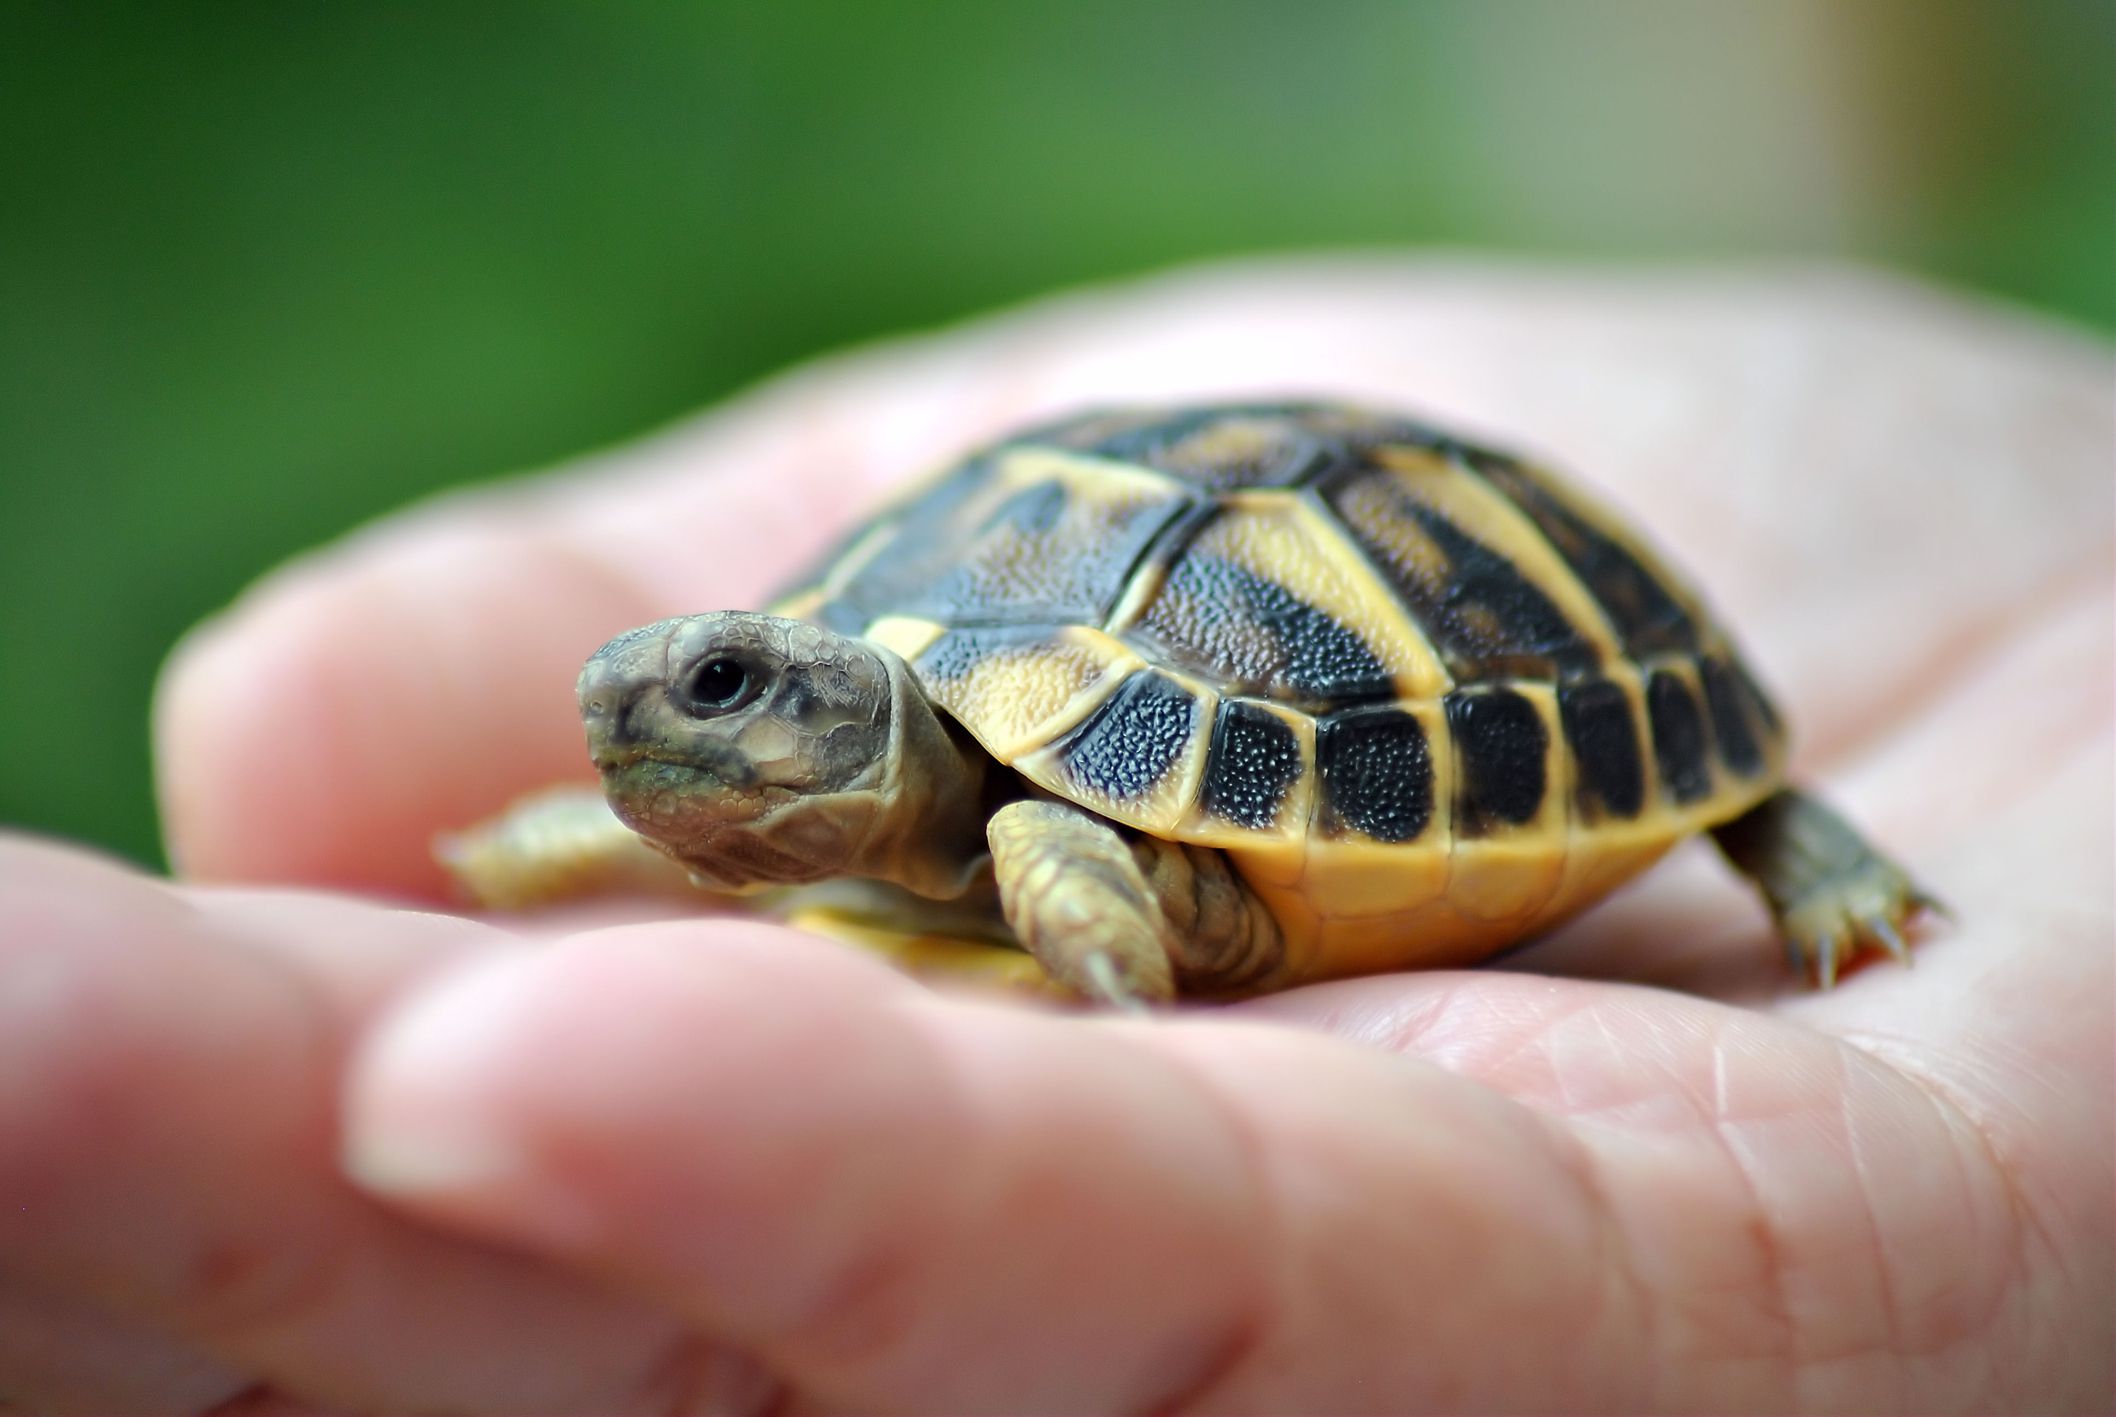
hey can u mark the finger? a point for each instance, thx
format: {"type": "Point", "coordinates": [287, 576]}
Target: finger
{"type": "Point", "coordinates": [349, 710]}
{"type": "Point", "coordinates": [897, 1201]}
{"type": "Point", "coordinates": [1817, 447]}
{"type": "Point", "coordinates": [948, 1206]}
{"type": "Point", "coordinates": [168, 1101]}
{"type": "Point", "coordinates": [61, 1357]}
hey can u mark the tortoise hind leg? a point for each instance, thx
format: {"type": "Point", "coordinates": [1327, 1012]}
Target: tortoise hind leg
{"type": "Point", "coordinates": [1829, 891]}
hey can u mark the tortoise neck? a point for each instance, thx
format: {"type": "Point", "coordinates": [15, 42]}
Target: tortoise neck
{"type": "Point", "coordinates": [930, 836]}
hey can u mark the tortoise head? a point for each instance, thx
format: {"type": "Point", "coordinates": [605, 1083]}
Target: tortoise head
{"type": "Point", "coordinates": [763, 751]}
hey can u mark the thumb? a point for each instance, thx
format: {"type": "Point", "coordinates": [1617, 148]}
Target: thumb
{"type": "Point", "coordinates": [899, 1200]}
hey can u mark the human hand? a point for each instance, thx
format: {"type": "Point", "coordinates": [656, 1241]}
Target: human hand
{"type": "Point", "coordinates": [714, 1163]}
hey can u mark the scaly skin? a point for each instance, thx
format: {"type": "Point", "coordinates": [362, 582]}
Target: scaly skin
{"type": "Point", "coordinates": [1079, 903]}
{"type": "Point", "coordinates": [1831, 893]}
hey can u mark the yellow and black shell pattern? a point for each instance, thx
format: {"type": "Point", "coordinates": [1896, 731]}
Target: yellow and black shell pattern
{"type": "Point", "coordinates": [1427, 697]}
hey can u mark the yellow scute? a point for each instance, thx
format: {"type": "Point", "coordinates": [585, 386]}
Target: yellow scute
{"type": "Point", "coordinates": [1020, 697]}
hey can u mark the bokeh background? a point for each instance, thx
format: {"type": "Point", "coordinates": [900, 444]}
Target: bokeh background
{"type": "Point", "coordinates": [269, 269]}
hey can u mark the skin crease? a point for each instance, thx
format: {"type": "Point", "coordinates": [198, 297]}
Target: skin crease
{"type": "Point", "coordinates": [266, 1145]}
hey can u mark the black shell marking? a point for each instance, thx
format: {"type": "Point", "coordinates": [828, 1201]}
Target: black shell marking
{"type": "Point", "coordinates": [1046, 558]}
{"type": "Point", "coordinates": [1256, 637]}
{"type": "Point", "coordinates": [1043, 556]}
{"type": "Point", "coordinates": [1644, 613]}
{"type": "Point", "coordinates": [1502, 748]}
{"type": "Point", "coordinates": [1485, 618]}
{"type": "Point", "coordinates": [1732, 726]}
{"type": "Point", "coordinates": [1678, 738]}
{"type": "Point", "coordinates": [1255, 758]}
{"type": "Point", "coordinates": [1610, 769]}
{"type": "Point", "coordinates": [1766, 712]}
{"type": "Point", "coordinates": [921, 545]}
{"type": "Point", "coordinates": [1132, 739]}
{"type": "Point", "coordinates": [1377, 773]}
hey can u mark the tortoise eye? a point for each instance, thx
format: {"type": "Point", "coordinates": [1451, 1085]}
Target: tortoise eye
{"type": "Point", "coordinates": [715, 687]}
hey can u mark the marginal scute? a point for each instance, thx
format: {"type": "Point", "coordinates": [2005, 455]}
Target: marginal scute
{"type": "Point", "coordinates": [1740, 723]}
{"type": "Point", "coordinates": [1759, 702]}
{"type": "Point", "coordinates": [1602, 730]}
{"type": "Point", "coordinates": [1377, 773]}
{"type": "Point", "coordinates": [1128, 745]}
{"type": "Point", "coordinates": [1016, 687]}
{"type": "Point", "coordinates": [1254, 761]}
{"type": "Point", "coordinates": [1502, 751]}
{"type": "Point", "coordinates": [1679, 746]}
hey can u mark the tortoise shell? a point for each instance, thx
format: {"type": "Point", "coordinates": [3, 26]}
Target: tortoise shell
{"type": "Point", "coordinates": [1426, 696]}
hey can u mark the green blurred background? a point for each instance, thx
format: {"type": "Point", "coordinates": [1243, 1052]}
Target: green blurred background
{"type": "Point", "coordinates": [267, 270]}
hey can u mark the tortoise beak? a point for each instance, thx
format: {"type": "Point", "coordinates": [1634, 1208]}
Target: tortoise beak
{"type": "Point", "coordinates": [612, 684]}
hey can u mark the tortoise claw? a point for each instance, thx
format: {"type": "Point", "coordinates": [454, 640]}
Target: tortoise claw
{"type": "Point", "coordinates": [1828, 955]}
{"type": "Point", "coordinates": [1865, 907]}
{"type": "Point", "coordinates": [1832, 893]}
{"type": "Point", "coordinates": [1108, 986]}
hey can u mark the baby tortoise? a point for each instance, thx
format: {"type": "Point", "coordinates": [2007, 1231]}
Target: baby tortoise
{"type": "Point", "coordinates": [1208, 701]}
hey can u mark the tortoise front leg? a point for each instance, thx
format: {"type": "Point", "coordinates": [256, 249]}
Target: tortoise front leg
{"type": "Point", "coordinates": [1831, 893]}
{"type": "Point", "coordinates": [556, 846]}
{"type": "Point", "coordinates": [565, 845]}
{"type": "Point", "coordinates": [1125, 922]}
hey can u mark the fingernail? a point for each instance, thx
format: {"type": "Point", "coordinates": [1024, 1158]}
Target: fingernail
{"type": "Point", "coordinates": [428, 1110]}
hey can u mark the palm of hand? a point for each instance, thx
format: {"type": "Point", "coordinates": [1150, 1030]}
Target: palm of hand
{"type": "Point", "coordinates": [1666, 1179]}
